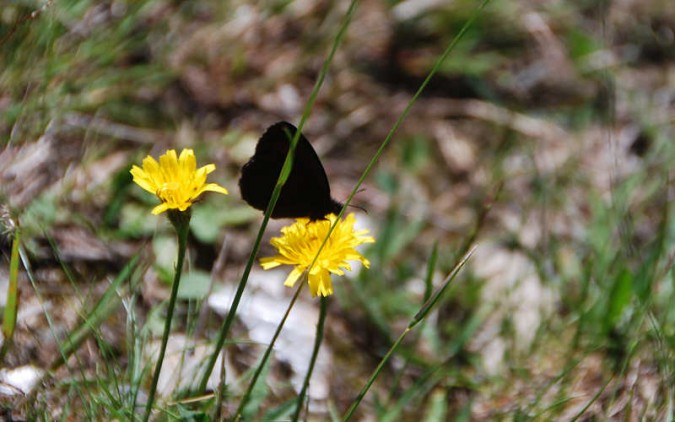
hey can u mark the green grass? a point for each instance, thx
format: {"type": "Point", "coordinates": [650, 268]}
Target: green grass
{"type": "Point", "coordinates": [529, 144]}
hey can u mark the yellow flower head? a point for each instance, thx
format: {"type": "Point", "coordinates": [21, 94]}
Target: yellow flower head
{"type": "Point", "coordinates": [300, 242]}
{"type": "Point", "coordinates": [176, 181]}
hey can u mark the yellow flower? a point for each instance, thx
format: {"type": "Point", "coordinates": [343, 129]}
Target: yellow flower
{"type": "Point", "coordinates": [175, 180]}
{"type": "Point", "coordinates": [300, 242]}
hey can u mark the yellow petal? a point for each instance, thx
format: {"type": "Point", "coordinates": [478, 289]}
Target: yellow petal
{"type": "Point", "coordinates": [160, 208]}
{"type": "Point", "coordinates": [142, 179]}
{"type": "Point", "coordinates": [209, 168]}
{"type": "Point", "coordinates": [320, 284]}
{"type": "Point", "coordinates": [150, 165]}
{"type": "Point", "coordinates": [269, 262]}
{"type": "Point", "coordinates": [292, 277]}
{"type": "Point", "coordinates": [213, 187]}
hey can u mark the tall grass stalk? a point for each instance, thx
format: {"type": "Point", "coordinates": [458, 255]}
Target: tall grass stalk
{"type": "Point", "coordinates": [413, 100]}
{"type": "Point", "coordinates": [419, 316]}
{"type": "Point", "coordinates": [268, 351]}
{"type": "Point", "coordinates": [315, 353]}
{"type": "Point", "coordinates": [283, 176]}
{"type": "Point", "coordinates": [428, 290]}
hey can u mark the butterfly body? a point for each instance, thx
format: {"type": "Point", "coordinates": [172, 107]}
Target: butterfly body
{"type": "Point", "coordinates": [306, 192]}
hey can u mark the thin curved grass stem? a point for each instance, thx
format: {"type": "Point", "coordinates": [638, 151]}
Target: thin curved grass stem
{"type": "Point", "coordinates": [283, 176]}
{"type": "Point", "coordinates": [419, 316]}
{"type": "Point", "coordinates": [315, 353]}
{"type": "Point", "coordinates": [268, 352]}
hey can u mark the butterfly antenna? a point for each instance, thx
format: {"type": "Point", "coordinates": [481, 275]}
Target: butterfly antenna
{"type": "Point", "coordinates": [361, 208]}
{"type": "Point", "coordinates": [356, 206]}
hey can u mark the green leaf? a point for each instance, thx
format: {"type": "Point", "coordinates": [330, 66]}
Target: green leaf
{"type": "Point", "coordinates": [415, 153]}
{"type": "Point", "coordinates": [619, 297]}
{"type": "Point", "coordinates": [194, 285]}
{"type": "Point", "coordinates": [136, 220]}
{"type": "Point", "coordinates": [165, 249]}
{"type": "Point", "coordinates": [438, 406]}
{"type": "Point", "coordinates": [209, 218]}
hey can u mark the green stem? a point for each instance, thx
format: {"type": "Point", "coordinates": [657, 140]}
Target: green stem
{"type": "Point", "coordinates": [283, 176]}
{"type": "Point", "coordinates": [225, 328]}
{"type": "Point", "coordinates": [315, 354]}
{"type": "Point", "coordinates": [413, 100]}
{"type": "Point", "coordinates": [377, 371]}
{"type": "Point", "coordinates": [421, 314]}
{"type": "Point", "coordinates": [182, 226]}
{"type": "Point", "coordinates": [268, 352]}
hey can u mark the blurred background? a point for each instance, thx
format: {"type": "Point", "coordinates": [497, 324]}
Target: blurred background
{"type": "Point", "coordinates": [546, 139]}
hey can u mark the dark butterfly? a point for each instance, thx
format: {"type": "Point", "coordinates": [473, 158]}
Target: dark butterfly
{"type": "Point", "coordinates": [306, 193]}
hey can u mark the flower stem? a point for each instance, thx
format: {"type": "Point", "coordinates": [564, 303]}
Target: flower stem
{"type": "Point", "coordinates": [182, 225]}
{"type": "Point", "coordinates": [266, 355]}
{"type": "Point", "coordinates": [315, 353]}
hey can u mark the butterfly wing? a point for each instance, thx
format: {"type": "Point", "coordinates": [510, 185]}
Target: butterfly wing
{"type": "Point", "coordinates": [306, 192]}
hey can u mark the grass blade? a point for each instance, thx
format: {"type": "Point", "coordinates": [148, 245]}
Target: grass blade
{"type": "Point", "coordinates": [109, 302]}
{"type": "Point", "coordinates": [11, 308]}
{"type": "Point", "coordinates": [428, 305]}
